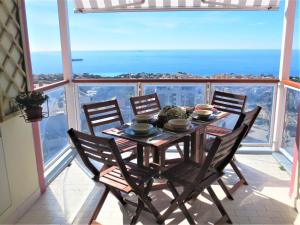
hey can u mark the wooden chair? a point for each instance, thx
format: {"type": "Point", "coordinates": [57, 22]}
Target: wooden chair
{"type": "Point", "coordinates": [123, 176]}
{"type": "Point", "coordinates": [148, 104]}
{"type": "Point", "coordinates": [103, 113]}
{"type": "Point", "coordinates": [247, 118]}
{"type": "Point", "coordinates": [194, 178]}
{"type": "Point", "coordinates": [228, 102]}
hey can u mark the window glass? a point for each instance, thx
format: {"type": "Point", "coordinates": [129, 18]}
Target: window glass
{"type": "Point", "coordinates": [261, 95]}
{"type": "Point", "coordinates": [290, 120]}
{"type": "Point", "coordinates": [176, 44]}
{"type": "Point", "coordinates": [54, 128]}
{"type": "Point", "coordinates": [180, 95]}
{"type": "Point", "coordinates": [98, 93]}
{"type": "Point", "coordinates": [44, 41]}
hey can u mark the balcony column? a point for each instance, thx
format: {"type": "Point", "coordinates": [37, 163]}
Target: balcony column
{"type": "Point", "coordinates": [284, 70]}
{"type": "Point", "coordinates": [67, 61]}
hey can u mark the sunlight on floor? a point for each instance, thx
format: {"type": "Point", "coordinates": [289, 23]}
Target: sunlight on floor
{"type": "Point", "coordinates": [71, 199]}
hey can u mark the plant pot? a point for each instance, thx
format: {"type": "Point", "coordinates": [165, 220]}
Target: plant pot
{"type": "Point", "coordinates": [34, 114]}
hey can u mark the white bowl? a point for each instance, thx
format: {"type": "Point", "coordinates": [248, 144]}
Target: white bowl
{"type": "Point", "coordinates": [179, 123]}
{"type": "Point", "coordinates": [203, 112]}
{"type": "Point", "coordinates": [144, 117]}
{"type": "Point", "coordinates": [141, 128]}
{"type": "Point", "coordinates": [203, 107]}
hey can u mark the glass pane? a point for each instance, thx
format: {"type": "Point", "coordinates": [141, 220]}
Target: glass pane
{"type": "Point", "coordinates": [99, 93]}
{"type": "Point", "coordinates": [261, 95]}
{"type": "Point", "coordinates": [290, 120]}
{"type": "Point", "coordinates": [181, 95]}
{"type": "Point", "coordinates": [295, 66]}
{"type": "Point", "coordinates": [42, 17]}
{"type": "Point", "coordinates": [54, 128]}
{"type": "Point", "coordinates": [177, 44]}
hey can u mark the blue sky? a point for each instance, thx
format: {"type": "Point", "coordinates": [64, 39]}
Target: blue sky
{"type": "Point", "coordinates": [163, 30]}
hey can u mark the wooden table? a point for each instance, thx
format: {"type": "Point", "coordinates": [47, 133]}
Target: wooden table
{"type": "Point", "coordinates": [162, 140]}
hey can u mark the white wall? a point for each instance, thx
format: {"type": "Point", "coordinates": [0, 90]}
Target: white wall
{"type": "Point", "coordinates": [21, 167]}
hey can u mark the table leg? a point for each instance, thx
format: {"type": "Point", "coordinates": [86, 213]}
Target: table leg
{"type": "Point", "coordinates": [197, 145]}
{"type": "Point", "coordinates": [186, 148]}
{"type": "Point", "coordinates": [140, 155]}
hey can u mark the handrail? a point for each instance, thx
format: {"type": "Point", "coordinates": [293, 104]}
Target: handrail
{"type": "Point", "coordinates": [51, 86]}
{"type": "Point", "coordinates": [164, 80]}
{"type": "Point", "coordinates": [291, 84]}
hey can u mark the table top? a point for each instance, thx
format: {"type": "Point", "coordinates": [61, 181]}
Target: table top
{"type": "Point", "coordinates": [162, 136]}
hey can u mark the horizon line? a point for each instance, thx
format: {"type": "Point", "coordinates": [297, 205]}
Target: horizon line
{"type": "Point", "coordinates": [212, 49]}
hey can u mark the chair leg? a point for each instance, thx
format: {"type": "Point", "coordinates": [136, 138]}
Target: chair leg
{"type": "Point", "coordinates": [145, 200]}
{"type": "Point", "coordinates": [100, 204]}
{"type": "Point", "coordinates": [225, 189]}
{"type": "Point", "coordinates": [181, 205]}
{"type": "Point", "coordinates": [238, 172]}
{"type": "Point", "coordinates": [138, 211]}
{"type": "Point", "coordinates": [118, 195]}
{"type": "Point", "coordinates": [179, 150]}
{"type": "Point", "coordinates": [218, 204]}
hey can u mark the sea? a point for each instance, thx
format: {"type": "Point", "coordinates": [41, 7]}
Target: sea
{"type": "Point", "coordinates": [195, 62]}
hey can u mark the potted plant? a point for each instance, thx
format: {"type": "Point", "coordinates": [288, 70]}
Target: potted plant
{"type": "Point", "coordinates": [30, 102]}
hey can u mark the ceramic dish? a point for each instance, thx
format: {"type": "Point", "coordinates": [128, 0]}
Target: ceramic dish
{"type": "Point", "coordinates": [204, 107]}
{"type": "Point", "coordinates": [169, 127]}
{"type": "Point", "coordinates": [141, 128]}
{"type": "Point", "coordinates": [130, 132]}
{"type": "Point", "coordinates": [179, 123]}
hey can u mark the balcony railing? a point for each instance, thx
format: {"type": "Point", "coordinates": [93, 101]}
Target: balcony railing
{"type": "Point", "coordinates": [171, 92]}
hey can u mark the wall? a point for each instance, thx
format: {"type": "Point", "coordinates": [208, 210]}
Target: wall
{"type": "Point", "coordinates": [21, 167]}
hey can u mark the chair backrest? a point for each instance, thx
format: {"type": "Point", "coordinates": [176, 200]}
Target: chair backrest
{"type": "Point", "coordinates": [222, 151]}
{"type": "Point", "coordinates": [101, 113]}
{"type": "Point", "coordinates": [146, 104]}
{"type": "Point", "coordinates": [90, 147]}
{"type": "Point", "coordinates": [100, 149]}
{"type": "Point", "coordinates": [229, 102]}
{"type": "Point", "coordinates": [250, 118]}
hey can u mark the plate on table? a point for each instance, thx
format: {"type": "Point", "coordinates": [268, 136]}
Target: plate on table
{"type": "Point", "coordinates": [169, 127]}
{"type": "Point", "coordinates": [204, 119]}
{"type": "Point", "coordinates": [131, 132]}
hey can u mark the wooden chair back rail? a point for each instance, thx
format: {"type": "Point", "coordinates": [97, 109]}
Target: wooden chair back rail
{"type": "Point", "coordinates": [146, 104]}
{"type": "Point", "coordinates": [103, 150]}
{"type": "Point", "coordinates": [101, 113]}
{"type": "Point", "coordinates": [229, 102]}
{"type": "Point", "coordinates": [250, 118]}
{"type": "Point", "coordinates": [222, 151]}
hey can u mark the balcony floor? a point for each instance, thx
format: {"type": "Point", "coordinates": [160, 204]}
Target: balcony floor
{"type": "Point", "coordinates": [71, 197]}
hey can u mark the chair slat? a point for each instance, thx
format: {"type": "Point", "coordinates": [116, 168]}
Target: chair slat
{"type": "Point", "coordinates": [107, 116]}
{"type": "Point", "coordinates": [236, 102]}
{"type": "Point", "coordinates": [229, 102]}
{"type": "Point", "coordinates": [145, 104]}
{"type": "Point", "coordinates": [100, 110]}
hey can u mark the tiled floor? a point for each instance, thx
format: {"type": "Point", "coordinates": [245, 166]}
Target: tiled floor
{"type": "Point", "coordinates": [71, 198]}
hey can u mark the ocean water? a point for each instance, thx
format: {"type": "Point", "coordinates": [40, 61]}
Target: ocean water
{"type": "Point", "coordinates": [196, 62]}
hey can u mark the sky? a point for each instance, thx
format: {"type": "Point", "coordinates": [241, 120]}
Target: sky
{"type": "Point", "coordinates": [157, 30]}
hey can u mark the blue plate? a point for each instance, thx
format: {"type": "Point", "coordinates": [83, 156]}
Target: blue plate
{"type": "Point", "coordinates": [210, 118]}
{"type": "Point", "coordinates": [130, 132]}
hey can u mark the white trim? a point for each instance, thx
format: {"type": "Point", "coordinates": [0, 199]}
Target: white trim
{"type": "Point", "coordinates": [284, 70]}
{"type": "Point", "coordinates": [67, 60]}
{"type": "Point", "coordinates": [23, 208]}
{"type": "Point", "coordinates": [286, 154]}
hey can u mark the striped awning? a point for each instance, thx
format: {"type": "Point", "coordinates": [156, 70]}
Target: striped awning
{"type": "Point", "coordinates": [89, 6]}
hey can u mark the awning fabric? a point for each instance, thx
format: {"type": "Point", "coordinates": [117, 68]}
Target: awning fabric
{"type": "Point", "coordinates": [89, 6]}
